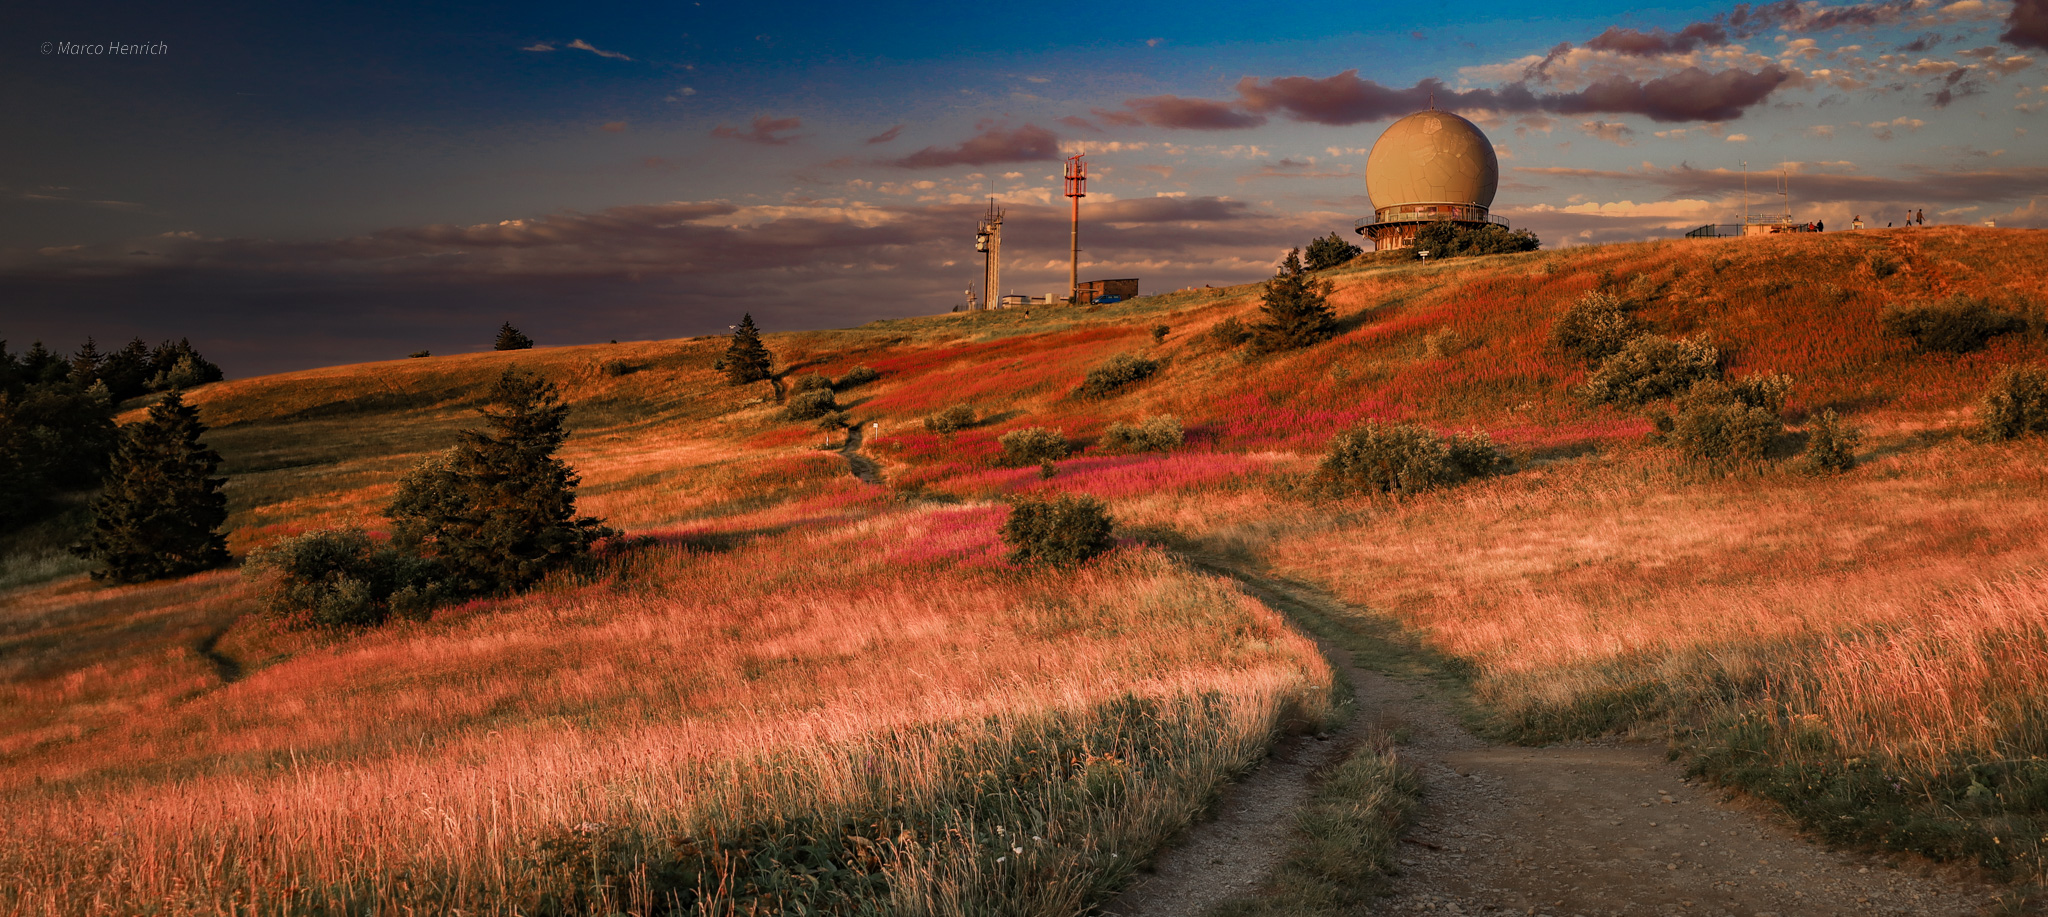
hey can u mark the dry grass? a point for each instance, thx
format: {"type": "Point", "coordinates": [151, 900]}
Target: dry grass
{"type": "Point", "coordinates": [796, 645]}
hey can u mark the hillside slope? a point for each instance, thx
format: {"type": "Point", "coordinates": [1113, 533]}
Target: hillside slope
{"type": "Point", "coordinates": [1889, 618]}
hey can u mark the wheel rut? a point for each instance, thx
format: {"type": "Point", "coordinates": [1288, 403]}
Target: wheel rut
{"type": "Point", "coordinates": [858, 465]}
{"type": "Point", "coordinates": [1587, 828]}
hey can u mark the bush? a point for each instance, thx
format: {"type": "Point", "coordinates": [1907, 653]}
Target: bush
{"type": "Point", "coordinates": [1767, 392]}
{"type": "Point", "coordinates": [1450, 240]}
{"type": "Point", "coordinates": [1650, 368]}
{"type": "Point", "coordinates": [858, 376]}
{"type": "Point", "coordinates": [417, 354]}
{"type": "Point", "coordinates": [1159, 333]}
{"type": "Point", "coordinates": [1713, 426]}
{"type": "Point", "coordinates": [615, 367]}
{"type": "Point", "coordinates": [1830, 446]}
{"type": "Point", "coordinates": [1060, 531]}
{"type": "Point", "coordinates": [1328, 252]}
{"type": "Point", "coordinates": [1155, 434]}
{"type": "Point", "coordinates": [1405, 458]}
{"type": "Point", "coordinates": [2017, 403]}
{"type": "Point", "coordinates": [951, 420]}
{"type": "Point", "coordinates": [1229, 333]}
{"type": "Point", "coordinates": [809, 382]}
{"type": "Point", "coordinates": [1958, 324]}
{"type": "Point", "coordinates": [1121, 370]}
{"type": "Point", "coordinates": [340, 579]}
{"type": "Point", "coordinates": [810, 404]}
{"type": "Point", "coordinates": [1032, 445]}
{"type": "Point", "coordinates": [1596, 327]}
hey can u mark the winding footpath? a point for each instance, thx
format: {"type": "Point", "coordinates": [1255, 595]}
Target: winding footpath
{"type": "Point", "coordinates": [1589, 828]}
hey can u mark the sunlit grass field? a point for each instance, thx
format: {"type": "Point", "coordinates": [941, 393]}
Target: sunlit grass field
{"type": "Point", "coordinates": [801, 691]}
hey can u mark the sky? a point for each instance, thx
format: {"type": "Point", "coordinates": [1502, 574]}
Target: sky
{"type": "Point", "coordinates": [294, 186]}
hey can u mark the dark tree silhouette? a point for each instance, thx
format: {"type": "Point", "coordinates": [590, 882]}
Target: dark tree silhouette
{"type": "Point", "coordinates": [1329, 251]}
{"type": "Point", "coordinates": [510, 338]}
{"type": "Point", "coordinates": [1297, 310]}
{"type": "Point", "coordinates": [161, 512]}
{"type": "Point", "coordinates": [746, 360]}
{"type": "Point", "coordinates": [498, 511]}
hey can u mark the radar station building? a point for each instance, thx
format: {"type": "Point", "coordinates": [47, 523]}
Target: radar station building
{"type": "Point", "coordinates": [1429, 167]}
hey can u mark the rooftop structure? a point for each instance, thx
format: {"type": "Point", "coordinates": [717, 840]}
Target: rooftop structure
{"type": "Point", "coordinates": [1429, 167]}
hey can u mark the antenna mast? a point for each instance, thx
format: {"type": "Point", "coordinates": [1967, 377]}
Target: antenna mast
{"type": "Point", "coordinates": [1745, 196]}
{"type": "Point", "coordinates": [988, 240]}
{"type": "Point", "coordinates": [1077, 188]}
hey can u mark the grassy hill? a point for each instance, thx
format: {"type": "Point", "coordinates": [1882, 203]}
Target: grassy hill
{"type": "Point", "coordinates": [808, 688]}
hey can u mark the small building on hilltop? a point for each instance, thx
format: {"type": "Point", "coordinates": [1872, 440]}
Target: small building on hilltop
{"type": "Point", "coordinates": [1089, 291]}
{"type": "Point", "coordinates": [1430, 167]}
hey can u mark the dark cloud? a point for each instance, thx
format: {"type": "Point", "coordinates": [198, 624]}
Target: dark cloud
{"type": "Point", "coordinates": [1691, 94]}
{"type": "Point", "coordinates": [1925, 42]}
{"type": "Point", "coordinates": [2027, 27]}
{"type": "Point", "coordinates": [639, 272]}
{"type": "Point", "coordinates": [886, 136]}
{"type": "Point", "coordinates": [1954, 86]}
{"type": "Point", "coordinates": [1181, 113]}
{"type": "Point", "coordinates": [1029, 143]}
{"type": "Point", "coordinates": [1658, 41]}
{"type": "Point", "coordinates": [1921, 184]}
{"type": "Point", "coordinates": [765, 130]}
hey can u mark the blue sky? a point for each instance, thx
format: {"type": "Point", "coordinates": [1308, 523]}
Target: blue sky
{"type": "Point", "coordinates": [299, 186]}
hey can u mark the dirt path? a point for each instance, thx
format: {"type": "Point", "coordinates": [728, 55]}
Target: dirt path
{"type": "Point", "coordinates": [1599, 828]}
{"type": "Point", "coordinates": [860, 466]}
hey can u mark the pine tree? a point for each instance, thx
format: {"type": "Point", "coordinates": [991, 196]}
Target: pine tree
{"type": "Point", "coordinates": [85, 364]}
{"type": "Point", "coordinates": [498, 511]}
{"type": "Point", "coordinates": [1329, 251]}
{"type": "Point", "coordinates": [746, 360]}
{"type": "Point", "coordinates": [162, 509]}
{"type": "Point", "coordinates": [510, 338]}
{"type": "Point", "coordinates": [126, 371]}
{"type": "Point", "coordinates": [1297, 310]}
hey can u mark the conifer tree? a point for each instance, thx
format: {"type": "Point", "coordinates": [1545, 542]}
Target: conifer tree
{"type": "Point", "coordinates": [498, 511]}
{"type": "Point", "coordinates": [126, 371]}
{"type": "Point", "coordinates": [510, 338]}
{"type": "Point", "coordinates": [1329, 251]}
{"type": "Point", "coordinates": [161, 512]}
{"type": "Point", "coordinates": [85, 364]}
{"type": "Point", "coordinates": [1297, 310]}
{"type": "Point", "coordinates": [746, 360]}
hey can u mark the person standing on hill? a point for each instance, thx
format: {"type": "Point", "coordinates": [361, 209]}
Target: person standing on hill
{"type": "Point", "coordinates": [1921, 216]}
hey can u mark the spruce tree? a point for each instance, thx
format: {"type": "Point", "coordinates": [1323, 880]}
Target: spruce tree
{"type": "Point", "coordinates": [498, 511]}
{"type": "Point", "coordinates": [1297, 310]}
{"type": "Point", "coordinates": [161, 512]}
{"type": "Point", "coordinates": [1329, 251]}
{"type": "Point", "coordinates": [510, 338]}
{"type": "Point", "coordinates": [746, 360]}
{"type": "Point", "coordinates": [85, 364]}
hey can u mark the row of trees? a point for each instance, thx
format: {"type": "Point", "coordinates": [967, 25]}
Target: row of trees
{"type": "Point", "coordinates": [57, 415]}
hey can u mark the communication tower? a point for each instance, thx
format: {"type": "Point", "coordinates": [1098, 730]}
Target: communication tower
{"type": "Point", "coordinates": [988, 240]}
{"type": "Point", "coordinates": [1077, 188]}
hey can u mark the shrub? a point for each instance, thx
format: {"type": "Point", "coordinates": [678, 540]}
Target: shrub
{"type": "Point", "coordinates": [1229, 333]}
{"type": "Point", "coordinates": [1405, 458]}
{"type": "Point", "coordinates": [858, 376]}
{"type": "Point", "coordinates": [1650, 368]}
{"type": "Point", "coordinates": [510, 338]}
{"type": "Point", "coordinates": [1767, 392]}
{"type": "Point", "coordinates": [810, 404]}
{"type": "Point", "coordinates": [1297, 309]}
{"type": "Point", "coordinates": [162, 508]}
{"type": "Point", "coordinates": [1830, 446]}
{"type": "Point", "coordinates": [1154, 434]}
{"type": "Point", "coordinates": [1122, 370]}
{"type": "Point", "coordinates": [615, 367]}
{"type": "Point", "coordinates": [809, 382]}
{"type": "Point", "coordinates": [1450, 240]}
{"type": "Point", "coordinates": [1060, 531]}
{"type": "Point", "coordinates": [1032, 445]}
{"type": "Point", "coordinates": [340, 579]}
{"type": "Point", "coordinates": [2017, 403]}
{"type": "Point", "coordinates": [1159, 333]}
{"type": "Point", "coordinates": [498, 511]}
{"type": "Point", "coordinates": [951, 420]}
{"type": "Point", "coordinates": [1713, 426]}
{"type": "Point", "coordinates": [1596, 327]}
{"type": "Point", "coordinates": [1958, 324]}
{"type": "Point", "coordinates": [837, 420]}
{"type": "Point", "coordinates": [420, 353]}
{"type": "Point", "coordinates": [1328, 252]}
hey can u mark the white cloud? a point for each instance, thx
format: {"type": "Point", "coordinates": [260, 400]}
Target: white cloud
{"type": "Point", "coordinates": [1737, 138]}
{"type": "Point", "coordinates": [581, 45]}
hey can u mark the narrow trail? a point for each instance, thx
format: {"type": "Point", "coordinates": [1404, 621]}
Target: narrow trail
{"type": "Point", "coordinates": [860, 466]}
{"type": "Point", "coordinates": [228, 669]}
{"type": "Point", "coordinates": [1589, 828]}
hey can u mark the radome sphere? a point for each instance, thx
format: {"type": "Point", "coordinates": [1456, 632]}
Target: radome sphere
{"type": "Point", "coordinates": [1432, 157]}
